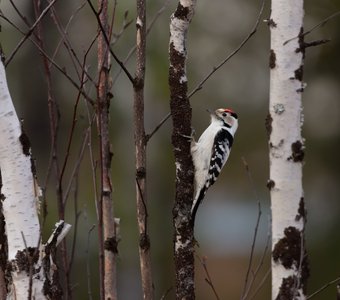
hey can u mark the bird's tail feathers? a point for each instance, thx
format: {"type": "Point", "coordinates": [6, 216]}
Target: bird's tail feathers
{"type": "Point", "coordinates": [197, 201]}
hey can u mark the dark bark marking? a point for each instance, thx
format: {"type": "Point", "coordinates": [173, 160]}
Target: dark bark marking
{"type": "Point", "coordinates": [3, 247]}
{"type": "Point", "coordinates": [33, 167]}
{"type": "Point", "coordinates": [271, 23]}
{"type": "Point", "coordinates": [268, 124]}
{"type": "Point", "coordinates": [270, 184]}
{"type": "Point", "coordinates": [144, 242]}
{"type": "Point", "coordinates": [299, 73]}
{"type": "Point", "coordinates": [181, 12]}
{"type": "Point", "coordinates": [111, 244]}
{"type": "Point", "coordinates": [288, 288]}
{"type": "Point", "coordinates": [25, 143]}
{"type": "Point", "coordinates": [298, 152]}
{"type": "Point", "coordinates": [272, 59]}
{"type": "Point", "coordinates": [302, 213]}
{"type": "Point", "coordinates": [27, 258]}
{"type": "Point", "coordinates": [288, 252]}
{"type": "Point", "coordinates": [288, 249]}
{"type": "Point", "coordinates": [302, 45]}
{"type": "Point", "coordinates": [141, 173]}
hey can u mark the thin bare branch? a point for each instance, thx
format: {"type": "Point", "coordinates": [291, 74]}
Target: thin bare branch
{"type": "Point", "coordinates": [88, 268]}
{"type": "Point", "coordinates": [322, 23]}
{"type": "Point", "coordinates": [166, 293]}
{"type": "Point", "coordinates": [261, 284]}
{"type": "Point", "coordinates": [22, 17]}
{"type": "Point", "coordinates": [149, 136]}
{"type": "Point", "coordinates": [248, 285]}
{"type": "Point", "coordinates": [62, 70]}
{"type": "Point", "coordinates": [30, 31]}
{"type": "Point", "coordinates": [66, 42]}
{"type": "Point", "coordinates": [208, 279]}
{"type": "Point", "coordinates": [103, 31]}
{"type": "Point", "coordinates": [323, 288]}
{"type": "Point", "coordinates": [247, 38]}
{"type": "Point", "coordinates": [148, 29]}
{"type": "Point", "coordinates": [124, 26]}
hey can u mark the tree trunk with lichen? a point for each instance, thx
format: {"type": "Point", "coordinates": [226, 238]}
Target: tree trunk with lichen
{"type": "Point", "coordinates": [181, 119]}
{"type": "Point", "coordinates": [286, 147]}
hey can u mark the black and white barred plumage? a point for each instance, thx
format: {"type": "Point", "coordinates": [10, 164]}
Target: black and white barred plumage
{"type": "Point", "coordinates": [211, 152]}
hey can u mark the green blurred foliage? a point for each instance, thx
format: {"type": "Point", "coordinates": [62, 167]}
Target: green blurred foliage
{"type": "Point", "coordinates": [243, 84]}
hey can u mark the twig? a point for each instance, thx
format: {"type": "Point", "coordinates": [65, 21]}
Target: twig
{"type": "Point", "coordinates": [214, 69]}
{"type": "Point", "coordinates": [148, 29]}
{"type": "Point", "coordinates": [88, 268]}
{"type": "Point", "coordinates": [64, 40]}
{"type": "Point", "coordinates": [77, 214]}
{"type": "Point", "coordinates": [19, 13]}
{"type": "Point", "coordinates": [208, 280]}
{"type": "Point", "coordinates": [247, 288]}
{"type": "Point", "coordinates": [323, 288]}
{"type": "Point", "coordinates": [166, 293]}
{"type": "Point", "coordinates": [72, 130]}
{"type": "Point", "coordinates": [117, 35]}
{"type": "Point", "coordinates": [248, 285]}
{"type": "Point", "coordinates": [30, 31]}
{"type": "Point", "coordinates": [261, 284]}
{"type": "Point", "coordinates": [149, 136]}
{"type": "Point", "coordinates": [322, 23]}
{"type": "Point", "coordinates": [60, 69]}
{"type": "Point", "coordinates": [120, 63]}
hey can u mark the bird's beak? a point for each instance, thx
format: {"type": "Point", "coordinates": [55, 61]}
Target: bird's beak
{"type": "Point", "coordinates": [210, 111]}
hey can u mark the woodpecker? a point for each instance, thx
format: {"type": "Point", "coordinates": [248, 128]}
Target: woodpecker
{"type": "Point", "coordinates": [211, 152]}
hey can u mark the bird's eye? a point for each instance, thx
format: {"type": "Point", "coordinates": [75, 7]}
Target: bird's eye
{"type": "Point", "coordinates": [224, 114]}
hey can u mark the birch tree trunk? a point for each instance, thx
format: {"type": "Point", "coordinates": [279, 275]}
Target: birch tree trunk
{"type": "Point", "coordinates": [30, 268]}
{"type": "Point", "coordinates": [289, 259]}
{"type": "Point", "coordinates": [18, 197]}
{"type": "Point", "coordinates": [181, 119]}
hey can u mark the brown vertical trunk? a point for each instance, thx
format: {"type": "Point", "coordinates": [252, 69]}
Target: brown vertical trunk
{"type": "Point", "coordinates": [140, 144]}
{"type": "Point", "coordinates": [107, 236]}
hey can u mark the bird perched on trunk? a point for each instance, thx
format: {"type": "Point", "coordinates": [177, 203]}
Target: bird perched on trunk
{"type": "Point", "coordinates": [211, 152]}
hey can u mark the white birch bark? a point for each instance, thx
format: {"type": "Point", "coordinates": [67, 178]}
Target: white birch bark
{"type": "Point", "coordinates": [29, 263]}
{"type": "Point", "coordinates": [289, 266]}
{"type": "Point", "coordinates": [18, 190]}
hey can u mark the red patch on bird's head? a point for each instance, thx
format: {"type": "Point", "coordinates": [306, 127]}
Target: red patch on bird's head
{"type": "Point", "coordinates": [228, 110]}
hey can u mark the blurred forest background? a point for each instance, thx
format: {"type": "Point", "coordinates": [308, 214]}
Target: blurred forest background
{"type": "Point", "coordinates": [226, 220]}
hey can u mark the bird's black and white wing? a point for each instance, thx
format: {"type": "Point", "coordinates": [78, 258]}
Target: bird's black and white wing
{"type": "Point", "coordinates": [219, 155]}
